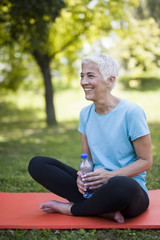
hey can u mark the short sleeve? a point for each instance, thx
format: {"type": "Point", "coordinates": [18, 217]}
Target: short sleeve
{"type": "Point", "coordinates": [137, 124]}
{"type": "Point", "coordinates": [81, 127]}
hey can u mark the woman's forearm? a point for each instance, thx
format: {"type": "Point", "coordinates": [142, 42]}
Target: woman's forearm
{"type": "Point", "coordinates": [134, 168]}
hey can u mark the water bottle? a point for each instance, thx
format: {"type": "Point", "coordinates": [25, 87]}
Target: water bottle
{"type": "Point", "coordinates": [86, 166]}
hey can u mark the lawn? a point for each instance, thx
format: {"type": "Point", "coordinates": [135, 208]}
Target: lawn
{"type": "Point", "coordinates": [24, 134]}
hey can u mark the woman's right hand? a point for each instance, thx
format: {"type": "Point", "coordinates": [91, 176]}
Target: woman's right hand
{"type": "Point", "coordinates": [80, 184]}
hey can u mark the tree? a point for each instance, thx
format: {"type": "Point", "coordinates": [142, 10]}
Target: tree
{"type": "Point", "coordinates": [47, 29]}
{"type": "Point", "coordinates": [28, 23]}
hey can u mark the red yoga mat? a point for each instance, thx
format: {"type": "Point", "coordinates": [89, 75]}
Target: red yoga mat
{"type": "Point", "coordinates": [21, 211]}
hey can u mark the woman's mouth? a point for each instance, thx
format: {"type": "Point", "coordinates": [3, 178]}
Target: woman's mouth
{"type": "Point", "coordinates": [88, 89]}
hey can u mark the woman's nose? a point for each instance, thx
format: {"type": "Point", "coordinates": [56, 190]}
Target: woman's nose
{"type": "Point", "coordinates": [84, 80]}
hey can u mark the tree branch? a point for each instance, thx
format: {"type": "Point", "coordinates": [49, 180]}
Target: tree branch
{"type": "Point", "coordinates": [71, 41]}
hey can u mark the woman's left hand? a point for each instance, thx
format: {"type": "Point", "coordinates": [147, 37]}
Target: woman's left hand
{"type": "Point", "coordinates": [96, 179]}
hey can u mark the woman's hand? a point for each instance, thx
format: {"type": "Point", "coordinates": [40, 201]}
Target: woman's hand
{"type": "Point", "coordinates": [93, 180]}
{"type": "Point", "coordinates": [81, 187]}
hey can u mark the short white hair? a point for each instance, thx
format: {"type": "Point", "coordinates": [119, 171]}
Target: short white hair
{"type": "Point", "coordinates": [107, 65]}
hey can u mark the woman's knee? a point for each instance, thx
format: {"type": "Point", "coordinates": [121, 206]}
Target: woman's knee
{"type": "Point", "coordinates": [124, 185]}
{"type": "Point", "coordinates": [34, 164]}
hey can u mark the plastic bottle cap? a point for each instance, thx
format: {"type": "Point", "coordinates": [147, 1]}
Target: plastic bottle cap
{"type": "Point", "coordinates": [84, 155]}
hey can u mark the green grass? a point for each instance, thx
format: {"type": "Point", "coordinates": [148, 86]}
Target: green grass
{"type": "Point", "coordinates": [24, 134]}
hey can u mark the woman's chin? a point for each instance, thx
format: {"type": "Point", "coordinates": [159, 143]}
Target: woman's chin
{"type": "Point", "coordinates": [89, 98]}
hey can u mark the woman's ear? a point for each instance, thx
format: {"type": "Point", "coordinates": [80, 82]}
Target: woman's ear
{"type": "Point", "coordinates": [111, 81]}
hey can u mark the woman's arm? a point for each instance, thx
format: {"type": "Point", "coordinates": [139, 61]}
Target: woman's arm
{"type": "Point", "coordinates": [85, 147]}
{"type": "Point", "coordinates": [143, 163]}
{"type": "Point", "coordinates": [143, 149]}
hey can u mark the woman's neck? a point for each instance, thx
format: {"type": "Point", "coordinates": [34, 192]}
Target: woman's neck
{"type": "Point", "coordinates": [106, 105]}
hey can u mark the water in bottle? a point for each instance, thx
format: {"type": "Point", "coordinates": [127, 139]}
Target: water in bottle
{"type": "Point", "coordinates": [86, 166]}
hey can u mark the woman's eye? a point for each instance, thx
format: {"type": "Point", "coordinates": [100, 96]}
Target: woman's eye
{"type": "Point", "coordinates": [90, 76]}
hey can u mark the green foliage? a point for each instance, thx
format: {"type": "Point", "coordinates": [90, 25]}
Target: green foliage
{"type": "Point", "coordinates": [29, 21]}
{"type": "Point", "coordinates": [54, 32]}
{"type": "Point", "coordinates": [13, 70]}
{"type": "Point", "coordinates": [17, 69]}
{"type": "Point", "coordinates": [57, 29]}
{"type": "Point", "coordinates": [88, 21]}
{"type": "Point", "coordinates": [24, 27]}
{"type": "Point", "coordinates": [139, 47]}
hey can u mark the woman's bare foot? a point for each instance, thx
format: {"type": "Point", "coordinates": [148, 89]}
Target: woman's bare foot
{"type": "Point", "coordinates": [119, 217]}
{"type": "Point", "coordinates": [65, 208]}
{"type": "Point", "coordinates": [56, 207]}
{"type": "Point", "coordinates": [116, 216]}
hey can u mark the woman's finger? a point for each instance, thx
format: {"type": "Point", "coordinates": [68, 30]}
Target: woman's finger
{"type": "Point", "coordinates": [79, 174]}
{"type": "Point", "coordinates": [91, 178]}
{"type": "Point", "coordinates": [93, 184]}
{"type": "Point", "coordinates": [81, 187]}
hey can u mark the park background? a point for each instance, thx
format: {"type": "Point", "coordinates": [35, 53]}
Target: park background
{"type": "Point", "coordinates": [41, 46]}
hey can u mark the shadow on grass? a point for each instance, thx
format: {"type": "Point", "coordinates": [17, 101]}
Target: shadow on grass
{"type": "Point", "coordinates": [10, 114]}
{"type": "Point", "coordinates": [23, 136]}
{"type": "Point", "coordinates": [21, 144]}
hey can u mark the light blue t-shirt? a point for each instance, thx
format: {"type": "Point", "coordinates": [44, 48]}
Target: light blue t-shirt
{"type": "Point", "coordinates": [110, 135]}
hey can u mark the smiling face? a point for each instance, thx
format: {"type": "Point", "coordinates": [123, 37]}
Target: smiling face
{"type": "Point", "coordinates": [92, 82]}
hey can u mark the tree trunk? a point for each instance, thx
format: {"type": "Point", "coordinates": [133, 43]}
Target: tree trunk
{"type": "Point", "coordinates": [43, 61]}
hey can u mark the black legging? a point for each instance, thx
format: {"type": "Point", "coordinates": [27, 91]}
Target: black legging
{"type": "Point", "coordinates": [119, 194]}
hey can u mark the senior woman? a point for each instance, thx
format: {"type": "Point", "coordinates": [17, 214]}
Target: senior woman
{"type": "Point", "coordinates": [115, 135]}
